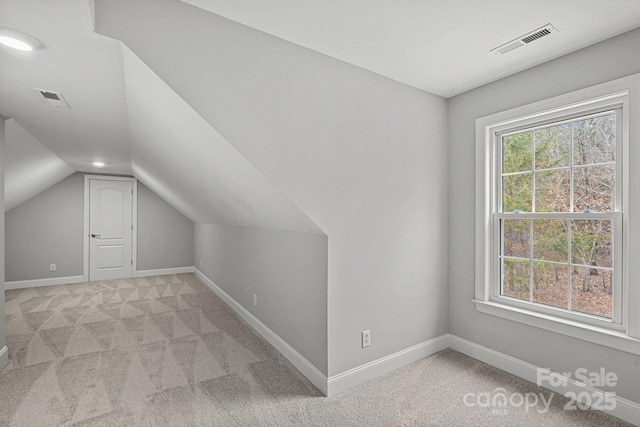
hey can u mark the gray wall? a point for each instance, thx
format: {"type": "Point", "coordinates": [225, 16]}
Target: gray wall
{"type": "Point", "coordinates": [165, 236]}
{"type": "Point", "coordinates": [614, 58]}
{"type": "Point", "coordinates": [286, 270]}
{"type": "Point", "coordinates": [363, 156]}
{"type": "Point", "coordinates": [48, 228]}
{"type": "Point", "coordinates": [3, 340]}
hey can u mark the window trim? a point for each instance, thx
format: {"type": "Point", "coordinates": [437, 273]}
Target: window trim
{"type": "Point", "coordinates": [623, 93]}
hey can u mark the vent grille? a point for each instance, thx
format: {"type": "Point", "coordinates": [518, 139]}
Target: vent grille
{"type": "Point", "coordinates": [524, 40]}
{"type": "Point", "coordinates": [536, 35]}
{"type": "Point", "coordinates": [51, 95]}
{"type": "Point", "coordinates": [52, 98]}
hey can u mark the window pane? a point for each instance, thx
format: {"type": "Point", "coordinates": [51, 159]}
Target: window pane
{"type": "Point", "coordinates": [516, 235]}
{"type": "Point", "coordinates": [594, 140]}
{"type": "Point", "coordinates": [591, 291]}
{"type": "Point", "coordinates": [553, 147]}
{"type": "Point", "coordinates": [591, 242]}
{"type": "Point", "coordinates": [516, 193]}
{"type": "Point", "coordinates": [553, 191]}
{"type": "Point", "coordinates": [594, 188]}
{"type": "Point", "coordinates": [517, 152]}
{"type": "Point", "coordinates": [515, 278]}
{"type": "Point", "coordinates": [551, 284]}
{"type": "Point", "coordinates": [550, 240]}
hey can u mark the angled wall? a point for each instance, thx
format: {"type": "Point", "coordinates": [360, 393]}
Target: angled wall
{"type": "Point", "coordinates": [596, 64]}
{"type": "Point", "coordinates": [182, 158]}
{"type": "Point", "coordinates": [362, 156]}
{"type": "Point", "coordinates": [30, 167]}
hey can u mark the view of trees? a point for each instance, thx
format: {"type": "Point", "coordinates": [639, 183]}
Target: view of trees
{"type": "Point", "coordinates": [563, 168]}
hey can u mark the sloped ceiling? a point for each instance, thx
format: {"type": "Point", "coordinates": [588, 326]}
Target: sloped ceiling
{"type": "Point", "coordinates": [177, 154]}
{"type": "Point", "coordinates": [435, 45]}
{"type": "Point", "coordinates": [30, 167]}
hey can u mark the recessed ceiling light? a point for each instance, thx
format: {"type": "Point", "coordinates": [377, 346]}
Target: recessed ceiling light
{"type": "Point", "coordinates": [18, 40]}
{"type": "Point", "coordinates": [98, 164]}
{"type": "Point", "coordinates": [15, 43]}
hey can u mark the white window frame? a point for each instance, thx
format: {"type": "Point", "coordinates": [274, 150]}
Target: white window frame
{"type": "Point", "coordinates": [623, 331]}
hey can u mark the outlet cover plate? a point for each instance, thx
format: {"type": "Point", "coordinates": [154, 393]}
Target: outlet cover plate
{"type": "Point", "coordinates": [366, 338]}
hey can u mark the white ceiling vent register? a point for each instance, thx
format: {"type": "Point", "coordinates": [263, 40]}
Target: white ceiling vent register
{"type": "Point", "coordinates": [524, 40]}
{"type": "Point", "coordinates": [52, 98]}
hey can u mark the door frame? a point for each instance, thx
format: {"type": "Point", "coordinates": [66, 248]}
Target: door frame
{"type": "Point", "coordinates": [134, 221]}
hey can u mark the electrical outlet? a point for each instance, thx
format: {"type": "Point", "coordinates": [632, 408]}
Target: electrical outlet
{"type": "Point", "coordinates": [200, 263]}
{"type": "Point", "coordinates": [52, 267]}
{"type": "Point", "coordinates": [366, 338]}
{"type": "Point", "coordinates": [255, 300]}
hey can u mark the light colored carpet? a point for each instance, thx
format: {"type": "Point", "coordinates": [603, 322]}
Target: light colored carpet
{"type": "Point", "coordinates": [166, 351]}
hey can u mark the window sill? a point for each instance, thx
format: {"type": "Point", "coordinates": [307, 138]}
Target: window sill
{"type": "Point", "coordinates": [605, 337]}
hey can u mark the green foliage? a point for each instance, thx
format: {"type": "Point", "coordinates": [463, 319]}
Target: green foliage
{"type": "Point", "coordinates": [550, 240]}
{"type": "Point", "coordinates": [544, 159]}
{"type": "Point", "coordinates": [516, 193]}
{"type": "Point", "coordinates": [591, 242]}
{"type": "Point", "coordinates": [517, 154]}
{"type": "Point", "coordinates": [515, 275]}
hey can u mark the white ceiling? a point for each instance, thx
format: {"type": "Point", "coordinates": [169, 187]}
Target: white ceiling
{"type": "Point", "coordinates": [84, 66]}
{"type": "Point", "coordinates": [441, 46]}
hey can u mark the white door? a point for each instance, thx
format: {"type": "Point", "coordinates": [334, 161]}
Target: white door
{"type": "Point", "coordinates": [110, 229]}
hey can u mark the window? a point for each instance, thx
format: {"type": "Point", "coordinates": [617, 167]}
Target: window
{"type": "Point", "coordinates": [559, 216]}
{"type": "Point", "coordinates": [552, 221]}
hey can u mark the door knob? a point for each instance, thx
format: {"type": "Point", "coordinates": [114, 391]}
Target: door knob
{"type": "Point", "coordinates": [95, 236]}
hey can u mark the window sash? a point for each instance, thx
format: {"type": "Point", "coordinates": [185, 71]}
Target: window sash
{"type": "Point", "coordinates": [496, 144]}
{"type": "Point", "coordinates": [616, 218]}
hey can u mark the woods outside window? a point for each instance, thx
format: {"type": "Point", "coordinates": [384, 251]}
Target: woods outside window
{"type": "Point", "coordinates": [558, 214]}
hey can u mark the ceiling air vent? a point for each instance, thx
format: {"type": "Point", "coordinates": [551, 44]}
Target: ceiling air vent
{"type": "Point", "coordinates": [524, 40]}
{"type": "Point", "coordinates": [52, 98]}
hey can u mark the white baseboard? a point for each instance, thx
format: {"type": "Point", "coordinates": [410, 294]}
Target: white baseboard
{"type": "Point", "coordinates": [312, 373]}
{"type": "Point", "coordinates": [336, 383]}
{"type": "Point", "coordinates": [625, 409]}
{"type": "Point", "coordinates": [4, 356]}
{"type": "Point", "coordinates": [340, 382]}
{"type": "Point", "coordinates": [23, 284]}
{"type": "Point", "coordinates": [376, 368]}
{"type": "Point", "coordinates": [164, 271]}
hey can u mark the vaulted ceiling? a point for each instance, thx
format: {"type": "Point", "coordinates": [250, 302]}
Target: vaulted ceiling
{"type": "Point", "coordinates": [132, 107]}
